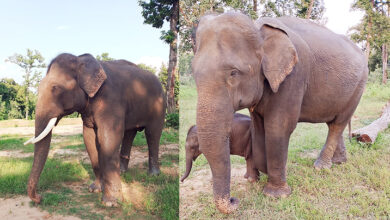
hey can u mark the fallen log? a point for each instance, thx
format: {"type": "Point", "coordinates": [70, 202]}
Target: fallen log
{"type": "Point", "coordinates": [369, 133]}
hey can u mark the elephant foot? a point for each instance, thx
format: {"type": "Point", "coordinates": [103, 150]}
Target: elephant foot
{"type": "Point", "coordinates": [109, 201]}
{"type": "Point", "coordinates": [36, 199]}
{"type": "Point", "coordinates": [124, 165]}
{"type": "Point", "coordinates": [320, 164]}
{"type": "Point", "coordinates": [339, 158]}
{"type": "Point", "coordinates": [154, 171]}
{"type": "Point", "coordinates": [252, 179]}
{"type": "Point", "coordinates": [95, 187]}
{"type": "Point", "coordinates": [246, 175]}
{"type": "Point", "coordinates": [227, 206]}
{"type": "Point", "coordinates": [277, 191]}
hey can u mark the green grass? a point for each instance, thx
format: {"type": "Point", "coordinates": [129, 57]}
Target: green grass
{"type": "Point", "coordinates": [160, 198]}
{"type": "Point", "coordinates": [359, 188]}
{"type": "Point", "coordinates": [14, 174]}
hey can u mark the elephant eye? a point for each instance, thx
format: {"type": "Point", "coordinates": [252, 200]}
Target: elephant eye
{"type": "Point", "coordinates": [234, 73]}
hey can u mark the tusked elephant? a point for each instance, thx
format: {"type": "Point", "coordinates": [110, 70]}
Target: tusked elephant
{"type": "Point", "coordinates": [240, 142]}
{"type": "Point", "coordinates": [115, 99]}
{"type": "Point", "coordinates": [284, 70]}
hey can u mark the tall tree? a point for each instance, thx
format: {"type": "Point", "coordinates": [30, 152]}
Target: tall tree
{"type": "Point", "coordinates": [155, 13]}
{"type": "Point", "coordinates": [104, 57]}
{"type": "Point", "coordinates": [374, 30]}
{"type": "Point", "coordinates": [32, 61]}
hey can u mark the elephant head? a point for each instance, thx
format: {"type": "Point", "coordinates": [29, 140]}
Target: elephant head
{"type": "Point", "coordinates": [67, 87]}
{"type": "Point", "coordinates": [236, 60]}
{"type": "Point", "coordinates": [192, 150]}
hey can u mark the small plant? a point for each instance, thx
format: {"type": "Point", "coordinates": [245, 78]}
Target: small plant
{"type": "Point", "coordinates": [172, 120]}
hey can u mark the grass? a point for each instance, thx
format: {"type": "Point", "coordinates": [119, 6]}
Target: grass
{"type": "Point", "coordinates": [65, 179]}
{"type": "Point", "coordinates": [359, 188]}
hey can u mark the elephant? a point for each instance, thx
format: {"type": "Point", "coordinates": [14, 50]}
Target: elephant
{"type": "Point", "coordinates": [240, 142]}
{"type": "Point", "coordinates": [115, 99]}
{"type": "Point", "coordinates": [284, 70]}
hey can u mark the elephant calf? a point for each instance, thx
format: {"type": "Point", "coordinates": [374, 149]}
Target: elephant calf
{"type": "Point", "coordinates": [240, 144]}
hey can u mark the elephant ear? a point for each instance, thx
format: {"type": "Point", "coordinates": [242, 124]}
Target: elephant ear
{"type": "Point", "coordinates": [279, 54]}
{"type": "Point", "coordinates": [91, 74]}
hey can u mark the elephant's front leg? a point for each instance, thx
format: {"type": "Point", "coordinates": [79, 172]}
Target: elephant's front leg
{"type": "Point", "coordinates": [110, 137]}
{"type": "Point", "coordinates": [90, 143]}
{"type": "Point", "coordinates": [277, 135]}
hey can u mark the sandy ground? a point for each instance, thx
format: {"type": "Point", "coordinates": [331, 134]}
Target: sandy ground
{"type": "Point", "coordinates": [63, 130]}
{"type": "Point", "coordinates": [19, 207]}
{"type": "Point", "coordinates": [200, 182]}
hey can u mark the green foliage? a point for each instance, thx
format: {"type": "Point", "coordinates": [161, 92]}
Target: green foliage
{"type": "Point", "coordinates": [31, 64]}
{"type": "Point", "coordinates": [163, 76]}
{"type": "Point", "coordinates": [12, 100]}
{"type": "Point", "coordinates": [147, 68]}
{"type": "Point", "coordinates": [156, 12]}
{"type": "Point", "coordinates": [296, 8]}
{"type": "Point", "coordinates": [104, 57]}
{"type": "Point", "coordinates": [172, 120]}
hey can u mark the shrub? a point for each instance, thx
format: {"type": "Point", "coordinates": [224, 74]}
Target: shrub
{"type": "Point", "coordinates": [172, 120]}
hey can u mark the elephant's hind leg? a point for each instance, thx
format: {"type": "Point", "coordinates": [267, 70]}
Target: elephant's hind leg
{"type": "Point", "coordinates": [127, 143]}
{"type": "Point", "coordinates": [153, 134]}
{"type": "Point", "coordinates": [340, 155]}
{"type": "Point", "coordinates": [334, 145]}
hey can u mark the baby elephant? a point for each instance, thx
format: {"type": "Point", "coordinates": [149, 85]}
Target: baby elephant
{"type": "Point", "coordinates": [240, 144]}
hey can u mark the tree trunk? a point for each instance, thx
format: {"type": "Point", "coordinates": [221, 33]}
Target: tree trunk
{"type": "Point", "coordinates": [384, 63]}
{"type": "Point", "coordinates": [369, 133]}
{"type": "Point", "coordinates": [26, 92]}
{"type": "Point", "coordinates": [308, 13]}
{"type": "Point", "coordinates": [255, 6]}
{"type": "Point", "coordinates": [170, 89]}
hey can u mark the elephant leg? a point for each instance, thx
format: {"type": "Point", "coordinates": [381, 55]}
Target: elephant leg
{"type": "Point", "coordinates": [110, 136]}
{"type": "Point", "coordinates": [89, 135]}
{"type": "Point", "coordinates": [333, 141]}
{"type": "Point", "coordinates": [278, 128]}
{"type": "Point", "coordinates": [340, 155]}
{"type": "Point", "coordinates": [252, 174]}
{"type": "Point", "coordinates": [153, 134]}
{"type": "Point", "coordinates": [127, 143]}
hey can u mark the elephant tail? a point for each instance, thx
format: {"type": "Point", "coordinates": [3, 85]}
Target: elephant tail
{"type": "Point", "coordinates": [349, 131]}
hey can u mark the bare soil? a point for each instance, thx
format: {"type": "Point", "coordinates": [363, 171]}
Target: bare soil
{"type": "Point", "coordinates": [200, 182]}
{"type": "Point", "coordinates": [20, 208]}
{"type": "Point", "coordinates": [63, 130]}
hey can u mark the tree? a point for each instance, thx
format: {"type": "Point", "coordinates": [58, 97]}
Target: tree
{"type": "Point", "coordinates": [104, 57]}
{"type": "Point", "coordinates": [155, 13]}
{"type": "Point", "coordinates": [30, 63]}
{"type": "Point", "coordinates": [373, 30]}
{"type": "Point", "coordinates": [148, 68]}
{"type": "Point", "coordinates": [163, 77]}
{"type": "Point", "coordinates": [313, 9]}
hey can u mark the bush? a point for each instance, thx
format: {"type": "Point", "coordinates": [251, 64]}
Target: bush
{"type": "Point", "coordinates": [172, 120]}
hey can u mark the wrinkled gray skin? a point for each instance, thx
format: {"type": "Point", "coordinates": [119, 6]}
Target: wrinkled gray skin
{"type": "Point", "coordinates": [285, 70]}
{"type": "Point", "coordinates": [115, 99]}
{"type": "Point", "coordinates": [240, 143]}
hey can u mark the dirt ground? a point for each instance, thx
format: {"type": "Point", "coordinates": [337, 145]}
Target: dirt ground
{"type": "Point", "coordinates": [63, 130]}
{"type": "Point", "coordinates": [19, 207]}
{"type": "Point", "coordinates": [201, 182]}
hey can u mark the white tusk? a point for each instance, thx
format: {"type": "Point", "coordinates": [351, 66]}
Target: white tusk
{"type": "Point", "coordinates": [43, 134]}
{"type": "Point", "coordinates": [29, 141]}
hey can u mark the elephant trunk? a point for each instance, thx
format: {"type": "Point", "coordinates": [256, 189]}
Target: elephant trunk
{"type": "Point", "coordinates": [214, 119]}
{"type": "Point", "coordinates": [41, 150]}
{"type": "Point", "coordinates": [188, 166]}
